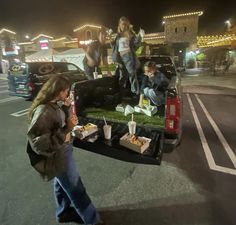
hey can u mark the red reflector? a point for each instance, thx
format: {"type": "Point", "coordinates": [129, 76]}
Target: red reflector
{"type": "Point", "coordinates": [31, 86]}
{"type": "Point", "coordinates": [170, 124]}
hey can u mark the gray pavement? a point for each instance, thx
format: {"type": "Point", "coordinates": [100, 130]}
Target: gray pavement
{"type": "Point", "coordinates": [183, 190]}
{"type": "Point", "coordinates": [199, 81]}
{"type": "Point", "coordinates": [3, 76]}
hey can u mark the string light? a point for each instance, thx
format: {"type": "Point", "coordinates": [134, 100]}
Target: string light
{"type": "Point", "coordinates": [184, 14]}
{"type": "Point", "coordinates": [59, 39]}
{"type": "Point", "coordinates": [70, 42]}
{"type": "Point", "coordinates": [153, 38]}
{"type": "Point", "coordinates": [41, 35]}
{"type": "Point", "coordinates": [87, 25]}
{"type": "Point", "coordinates": [26, 43]}
{"type": "Point", "coordinates": [214, 41]}
{"type": "Point", "coordinates": [6, 30]}
{"type": "Point", "coordinates": [153, 34]}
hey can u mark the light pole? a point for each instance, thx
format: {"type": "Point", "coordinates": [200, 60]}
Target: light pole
{"type": "Point", "coordinates": [228, 24]}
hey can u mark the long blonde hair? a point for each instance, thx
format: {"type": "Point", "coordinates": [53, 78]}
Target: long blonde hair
{"type": "Point", "coordinates": [50, 90]}
{"type": "Point", "coordinates": [128, 32]}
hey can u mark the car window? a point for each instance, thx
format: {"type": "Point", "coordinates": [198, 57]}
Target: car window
{"type": "Point", "coordinates": [71, 67]}
{"type": "Point", "coordinates": [41, 68]}
{"type": "Point", "coordinates": [60, 68]}
{"type": "Point", "coordinates": [162, 60]}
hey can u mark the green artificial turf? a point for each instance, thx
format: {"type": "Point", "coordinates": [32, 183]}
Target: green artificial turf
{"type": "Point", "coordinates": [112, 115]}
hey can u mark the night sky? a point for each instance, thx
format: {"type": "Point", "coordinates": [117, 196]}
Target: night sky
{"type": "Point", "coordinates": [58, 17]}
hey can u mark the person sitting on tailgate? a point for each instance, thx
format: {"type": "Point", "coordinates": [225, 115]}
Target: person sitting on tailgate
{"type": "Point", "coordinates": [154, 84]}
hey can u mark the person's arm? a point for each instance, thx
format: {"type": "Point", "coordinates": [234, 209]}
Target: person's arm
{"type": "Point", "coordinates": [88, 54]}
{"type": "Point", "coordinates": [137, 41]}
{"type": "Point", "coordinates": [144, 82]}
{"type": "Point", "coordinates": [44, 137]}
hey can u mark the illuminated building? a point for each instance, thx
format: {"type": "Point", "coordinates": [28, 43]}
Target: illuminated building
{"type": "Point", "coordinates": [8, 45]}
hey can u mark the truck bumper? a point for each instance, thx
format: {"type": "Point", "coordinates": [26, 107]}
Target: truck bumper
{"type": "Point", "coordinates": [170, 144]}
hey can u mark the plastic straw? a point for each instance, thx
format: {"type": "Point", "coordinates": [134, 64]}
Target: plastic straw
{"type": "Point", "coordinates": [105, 120]}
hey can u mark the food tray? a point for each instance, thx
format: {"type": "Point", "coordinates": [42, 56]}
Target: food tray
{"type": "Point", "coordinates": [126, 141]}
{"type": "Point", "coordinates": [84, 131]}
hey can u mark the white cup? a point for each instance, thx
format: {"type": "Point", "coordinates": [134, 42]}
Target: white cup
{"type": "Point", "coordinates": [132, 127]}
{"type": "Point", "coordinates": [107, 131]}
{"type": "Point", "coordinates": [95, 75]}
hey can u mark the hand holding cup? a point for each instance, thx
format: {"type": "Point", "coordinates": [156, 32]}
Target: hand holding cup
{"type": "Point", "coordinates": [141, 33]}
{"type": "Point", "coordinates": [67, 101]}
{"type": "Point", "coordinates": [72, 121]}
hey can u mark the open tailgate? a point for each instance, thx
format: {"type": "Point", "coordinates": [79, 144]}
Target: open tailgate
{"type": "Point", "coordinates": [112, 148]}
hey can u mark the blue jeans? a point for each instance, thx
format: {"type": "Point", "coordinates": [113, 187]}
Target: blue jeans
{"type": "Point", "coordinates": [156, 97]}
{"type": "Point", "coordinates": [129, 68]}
{"type": "Point", "coordinates": [70, 192]}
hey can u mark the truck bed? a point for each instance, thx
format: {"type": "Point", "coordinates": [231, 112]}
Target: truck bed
{"type": "Point", "coordinates": [98, 98]}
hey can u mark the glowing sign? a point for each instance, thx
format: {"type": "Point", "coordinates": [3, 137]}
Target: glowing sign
{"type": "Point", "coordinates": [9, 51]}
{"type": "Point", "coordinates": [44, 44]}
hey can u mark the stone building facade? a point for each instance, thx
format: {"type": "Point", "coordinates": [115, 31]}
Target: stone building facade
{"type": "Point", "coordinates": [181, 28]}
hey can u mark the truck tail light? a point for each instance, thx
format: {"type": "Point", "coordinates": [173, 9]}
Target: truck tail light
{"type": "Point", "coordinates": [31, 86]}
{"type": "Point", "coordinates": [172, 124]}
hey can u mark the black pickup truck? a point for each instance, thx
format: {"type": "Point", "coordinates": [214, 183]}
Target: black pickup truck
{"type": "Point", "coordinates": [97, 98]}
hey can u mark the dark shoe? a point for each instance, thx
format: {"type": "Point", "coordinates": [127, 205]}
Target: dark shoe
{"type": "Point", "coordinates": [70, 215]}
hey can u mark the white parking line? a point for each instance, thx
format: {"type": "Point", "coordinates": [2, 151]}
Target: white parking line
{"type": "Point", "coordinates": [206, 148]}
{"type": "Point", "coordinates": [10, 99]}
{"type": "Point", "coordinates": [223, 141]}
{"type": "Point", "coordinates": [3, 86]}
{"type": "Point", "coordinates": [20, 113]}
{"type": "Point", "coordinates": [205, 145]}
{"type": "Point", "coordinates": [4, 91]}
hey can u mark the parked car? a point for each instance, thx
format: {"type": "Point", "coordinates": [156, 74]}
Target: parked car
{"type": "Point", "coordinates": [25, 80]}
{"type": "Point", "coordinates": [97, 98]}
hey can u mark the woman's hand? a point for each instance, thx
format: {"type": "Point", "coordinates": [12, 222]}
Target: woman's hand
{"type": "Point", "coordinates": [72, 121]}
{"type": "Point", "coordinates": [67, 101]}
{"type": "Point", "coordinates": [68, 137]}
{"type": "Point", "coordinates": [141, 33]}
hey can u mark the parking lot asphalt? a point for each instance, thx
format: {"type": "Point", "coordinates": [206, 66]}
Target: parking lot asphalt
{"type": "Point", "coordinates": [195, 184]}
